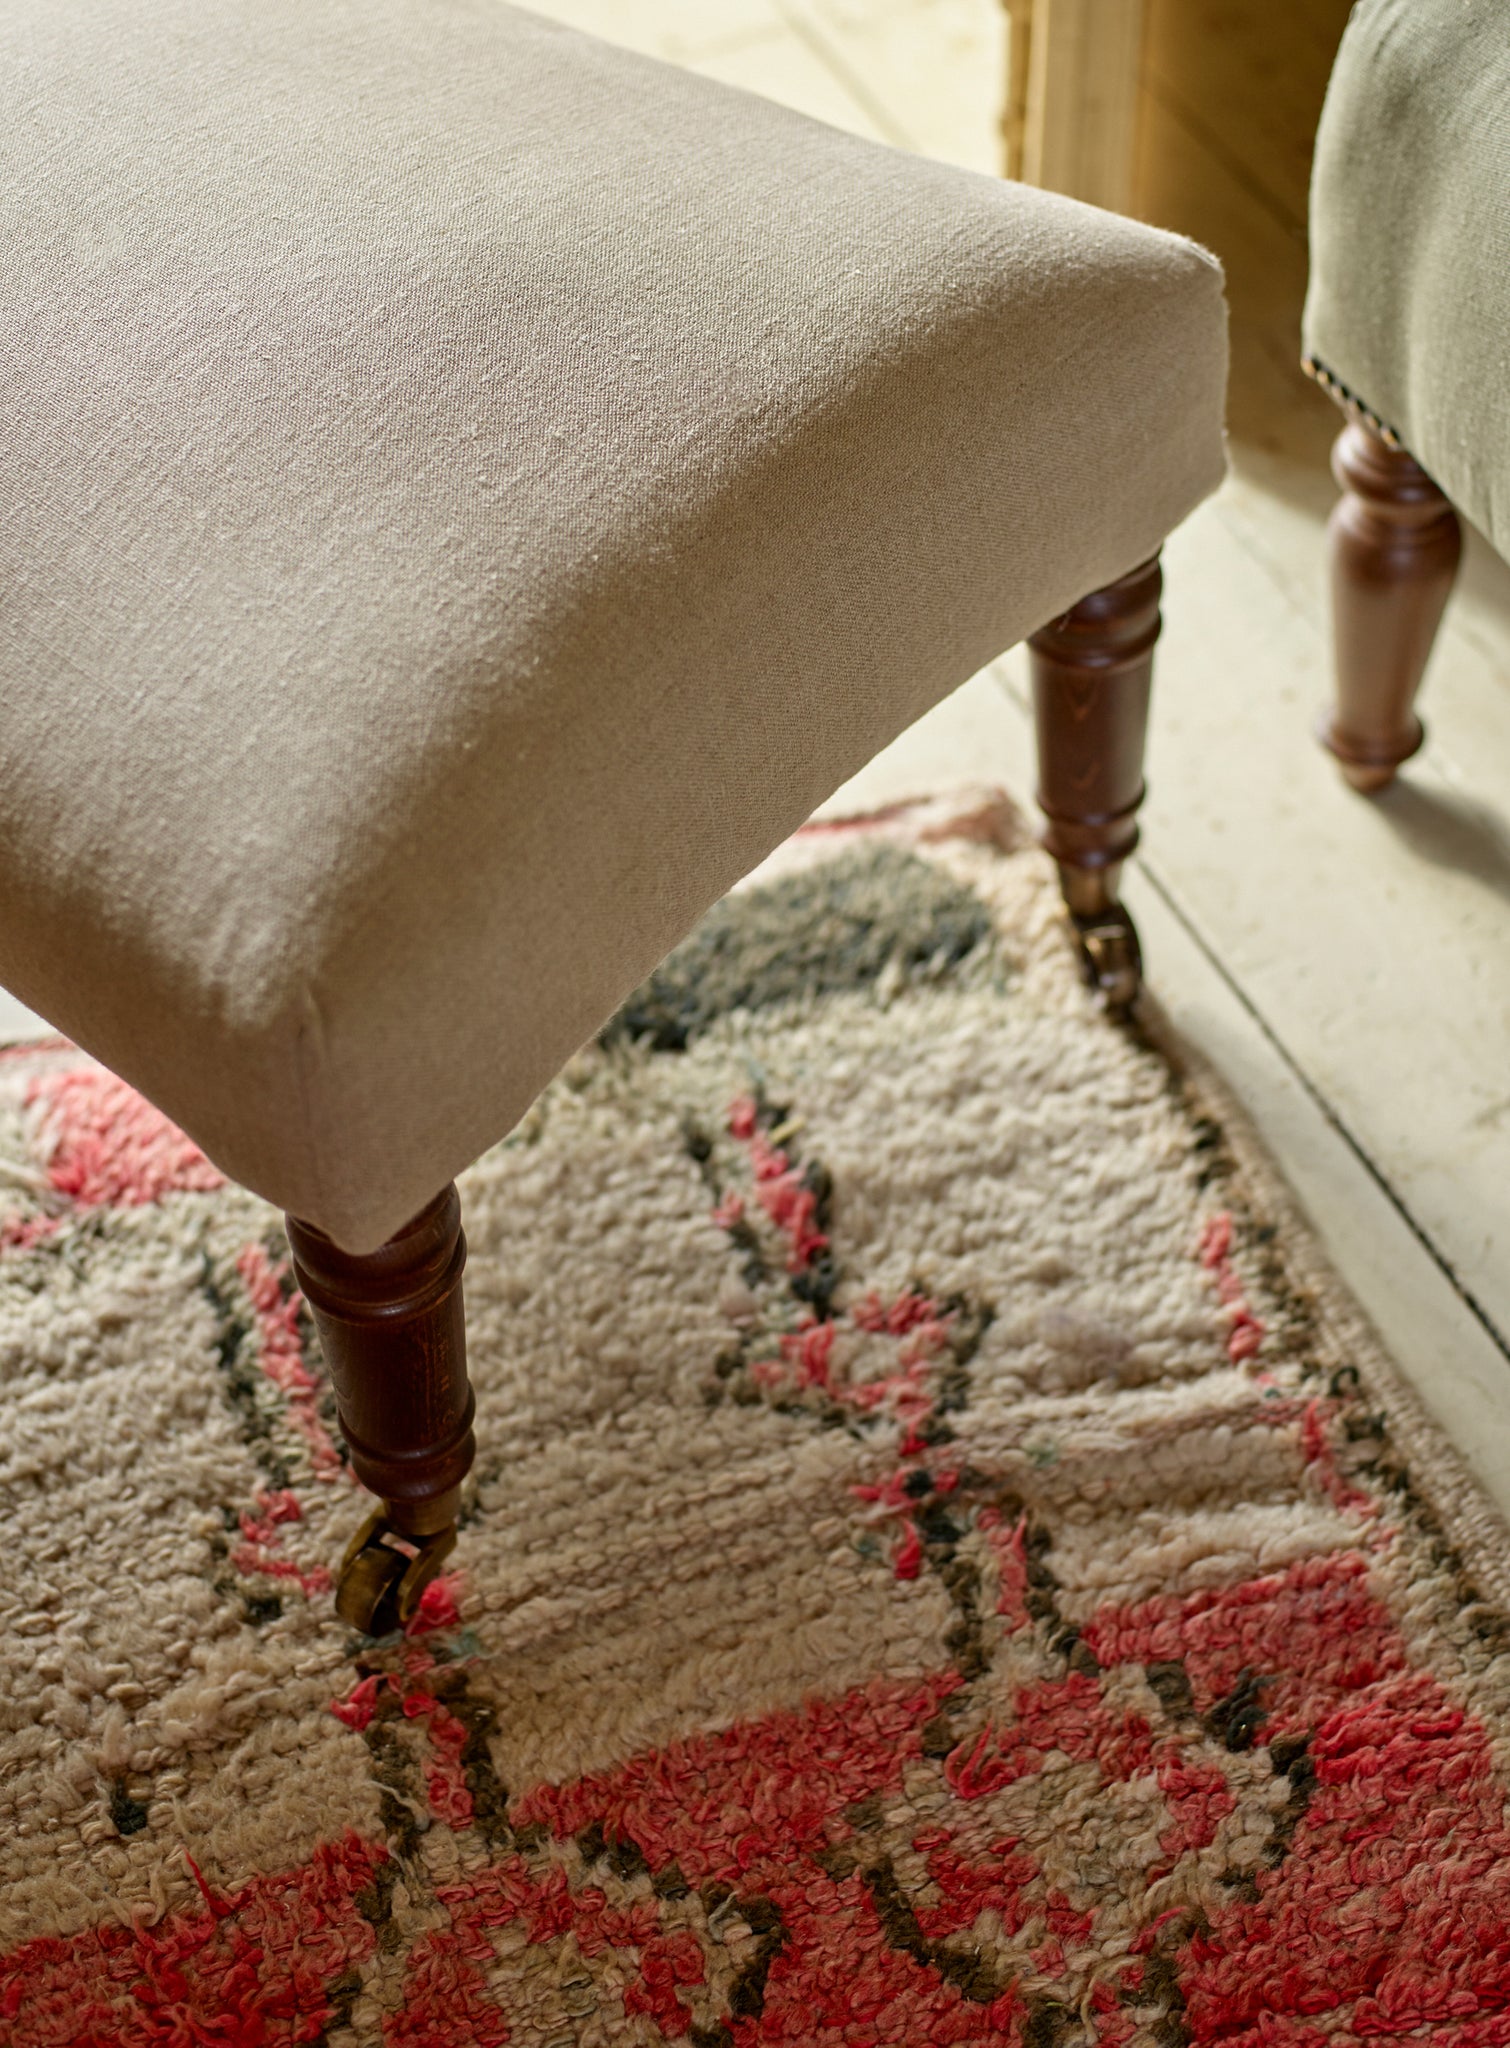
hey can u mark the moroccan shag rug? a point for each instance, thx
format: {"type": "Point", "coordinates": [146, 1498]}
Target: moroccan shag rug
{"type": "Point", "coordinates": [944, 1563]}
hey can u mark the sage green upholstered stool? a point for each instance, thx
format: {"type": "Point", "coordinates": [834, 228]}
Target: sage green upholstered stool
{"type": "Point", "coordinates": [466, 493]}
{"type": "Point", "coordinates": [1406, 324]}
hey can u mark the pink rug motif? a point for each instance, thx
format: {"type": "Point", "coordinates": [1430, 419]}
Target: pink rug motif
{"type": "Point", "coordinates": [946, 1564]}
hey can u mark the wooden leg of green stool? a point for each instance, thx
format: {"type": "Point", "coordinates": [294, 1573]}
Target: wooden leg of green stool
{"type": "Point", "coordinates": [392, 1328]}
{"type": "Point", "coordinates": [1092, 673]}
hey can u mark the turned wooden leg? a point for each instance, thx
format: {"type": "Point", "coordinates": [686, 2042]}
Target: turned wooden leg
{"type": "Point", "coordinates": [392, 1329]}
{"type": "Point", "coordinates": [1092, 671]}
{"type": "Point", "coordinates": [1395, 543]}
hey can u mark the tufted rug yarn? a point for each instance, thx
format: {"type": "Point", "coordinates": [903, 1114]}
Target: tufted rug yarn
{"type": "Point", "coordinates": [944, 1565]}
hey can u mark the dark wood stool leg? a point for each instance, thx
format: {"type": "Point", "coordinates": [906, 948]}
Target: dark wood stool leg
{"type": "Point", "coordinates": [392, 1329]}
{"type": "Point", "coordinates": [1395, 543]}
{"type": "Point", "coordinates": [1092, 672]}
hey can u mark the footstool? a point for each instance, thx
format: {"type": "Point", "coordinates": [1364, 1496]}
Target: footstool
{"type": "Point", "coordinates": [468, 493]}
{"type": "Point", "coordinates": [1406, 311]}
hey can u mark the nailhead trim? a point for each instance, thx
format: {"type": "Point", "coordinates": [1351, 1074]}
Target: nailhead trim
{"type": "Point", "coordinates": [1350, 402]}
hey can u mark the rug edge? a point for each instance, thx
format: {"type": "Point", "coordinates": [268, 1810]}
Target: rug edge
{"type": "Point", "coordinates": [1470, 1518]}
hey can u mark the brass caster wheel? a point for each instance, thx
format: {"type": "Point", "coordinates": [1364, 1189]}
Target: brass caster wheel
{"type": "Point", "coordinates": [385, 1571]}
{"type": "Point", "coordinates": [1112, 957]}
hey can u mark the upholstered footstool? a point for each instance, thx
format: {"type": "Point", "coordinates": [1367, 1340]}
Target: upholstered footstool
{"type": "Point", "coordinates": [1406, 318]}
{"type": "Point", "coordinates": [468, 493]}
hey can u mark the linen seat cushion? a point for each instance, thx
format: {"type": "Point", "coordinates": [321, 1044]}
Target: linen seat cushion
{"type": "Point", "coordinates": [1408, 305]}
{"type": "Point", "coordinates": [467, 492]}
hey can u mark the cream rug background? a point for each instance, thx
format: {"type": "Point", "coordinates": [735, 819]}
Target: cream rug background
{"type": "Point", "coordinates": [944, 1563]}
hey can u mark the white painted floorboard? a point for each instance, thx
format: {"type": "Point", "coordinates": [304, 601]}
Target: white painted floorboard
{"type": "Point", "coordinates": [17, 1022]}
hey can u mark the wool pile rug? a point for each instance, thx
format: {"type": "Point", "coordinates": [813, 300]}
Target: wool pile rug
{"type": "Point", "coordinates": [944, 1564]}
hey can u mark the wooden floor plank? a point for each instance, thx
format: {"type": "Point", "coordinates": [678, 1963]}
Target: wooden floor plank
{"type": "Point", "coordinates": [933, 69]}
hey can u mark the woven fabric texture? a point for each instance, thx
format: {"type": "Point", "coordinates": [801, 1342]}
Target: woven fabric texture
{"type": "Point", "coordinates": [1409, 298]}
{"type": "Point", "coordinates": [943, 1565]}
{"type": "Point", "coordinates": [466, 492]}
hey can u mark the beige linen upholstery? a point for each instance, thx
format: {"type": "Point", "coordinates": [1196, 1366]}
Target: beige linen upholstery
{"type": "Point", "coordinates": [467, 492]}
{"type": "Point", "coordinates": [1409, 299]}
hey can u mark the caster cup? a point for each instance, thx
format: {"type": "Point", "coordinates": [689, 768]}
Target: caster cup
{"type": "Point", "coordinates": [1111, 956]}
{"type": "Point", "coordinates": [384, 1573]}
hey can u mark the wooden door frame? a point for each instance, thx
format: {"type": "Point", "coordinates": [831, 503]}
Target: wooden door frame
{"type": "Point", "coordinates": [1069, 122]}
